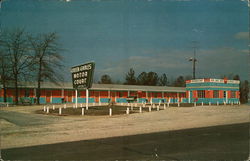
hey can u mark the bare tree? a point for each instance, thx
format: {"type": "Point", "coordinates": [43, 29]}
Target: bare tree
{"type": "Point", "coordinates": [4, 72]}
{"type": "Point", "coordinates": [16, 46]}
{"type": "Point", "coordinates": [48, 60]}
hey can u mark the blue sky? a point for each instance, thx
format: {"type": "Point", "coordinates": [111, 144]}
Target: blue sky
{"type": "Point", "coordinates": [148, 35]}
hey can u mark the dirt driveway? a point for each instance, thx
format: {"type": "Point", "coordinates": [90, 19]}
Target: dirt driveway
{"type": "Point", "coordinates": [20, 126]}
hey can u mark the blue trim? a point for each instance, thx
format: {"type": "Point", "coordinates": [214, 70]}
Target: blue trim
{"type": "Point", "coordinates": [211, 84]}
{"type": "Point", "coordinates": [56, 100]}
{"type": "Point", "coordinates": [83, 100]}
{"type": "Point", "coordinates": [209, 88]}
{"type": "Point", "coordinates": [121, 100]}
{"type": "Point", "coordinates": [42, 100]}
{"type": "Point", "coordinates": [104, 100]}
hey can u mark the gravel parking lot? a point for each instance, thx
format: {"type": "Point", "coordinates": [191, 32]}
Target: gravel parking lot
{"type": "Point", "coordinates": [21, 126]}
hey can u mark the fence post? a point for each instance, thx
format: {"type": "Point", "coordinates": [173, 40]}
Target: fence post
{"type": "Point", "coordinates": [140, 109]}
{"type": "Point", "coordinates": [110, 111]}
{"type": "Point", "coordinates": [178, 104]}
{"type": "Point", "coordinates": [194, 104]}
{"type": "Point", "coordinates": [44, 108]}
{"type": "Point", "coordinates": [209, 103]}
{"type": "Point", "coordinates": [217, 103]}
{"type": "Point", "coordinates": [53, 107]}
{"type": "Point", "coordinates": [149, 108]}
{"type": "Point", "coordinates": [48, 109]}
{"type": "Point", "coordinates": [127, 112]}
{"type": "Point", "coordinates": [60, 110]}
{"type": "Point", "coordinates": [164, 106]}
{"type": "Point", "coordinates": [201, 103]}
{"type": "Point", "coordinates": [158, 108]}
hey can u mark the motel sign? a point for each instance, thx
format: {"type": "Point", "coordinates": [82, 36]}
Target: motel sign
{"type": "Point", "coordinates": [82, 75]}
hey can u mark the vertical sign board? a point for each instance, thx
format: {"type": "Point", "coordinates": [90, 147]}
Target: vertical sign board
{"type": "Point", "coordinates": [82, 75]}
{"type": "Point", "coordinates": [82, 78]}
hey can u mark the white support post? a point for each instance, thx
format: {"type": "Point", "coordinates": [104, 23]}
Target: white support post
{"type": "Point", "coordinates": [194, 104]}
{"type": "Point", "coordinates": [60, 110]}
{"type": "Point", "coordinates": [65, 106]}
{"type": "Point", "coordinates": [110, 111]}
{"type": "Point", "coordinates": [149, 108]}
{"type": "Point", "coordinates": [158, 108]}
{"type": "Point", "coordinates": [217, 103]}
{"type": "Point", "coordinates": [153, 105]}
{"type": "Point", "coordinates": [178, 104]}
{"type": "Point", "coordinates": [164, 106]}
{"type": "Point", "coordinates": [87, 99]}
{"type": "Point", "coordinates": [140, 109]}
{"type": "Point", "coordinates": [202, 104]}
{"type": "Point", "coordinates": [82, 111]}
{"type": "Point", "coordinates": [224, 103]}
{"type": "Point", "coordinates": [127, 112]}
{"type": "Point", "coordinates": [168, 104]}
{"type": "Point", "coordinates": [209, 103]}
{"type": "Point", "coordinates": [76, 93]}
{"type": "Point", "coordinates": [44, 108]}
{"type": "Point", "coordinates": [53, 107]}
{"type": "Point", "coordinates": [48, 109]}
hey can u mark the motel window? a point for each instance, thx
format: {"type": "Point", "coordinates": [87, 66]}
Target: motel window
{"type": "Point", "coordinates": [26, 93]}
{"type": "Point", "coordinates": [224, 94]}
{"type": "Point", "coordinates": [120, 94]}
{"type": "Point", "coordinates": [216, 94]}
{"type": "Point", "coordinates": [233, 94]}
{"type": "Point", "coordinates": [201, 94]}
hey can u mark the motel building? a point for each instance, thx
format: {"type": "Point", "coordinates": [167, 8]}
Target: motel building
{"type": "Point", "coordinates": [213, 90]}
{"type": "Point", "coordinates": [197, 90]}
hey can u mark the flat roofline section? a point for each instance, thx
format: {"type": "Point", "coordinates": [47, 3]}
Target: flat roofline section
{"type": "Point", "coordinates": [114, 87]}
{"type": "Point", "coordinates": [213, 80]}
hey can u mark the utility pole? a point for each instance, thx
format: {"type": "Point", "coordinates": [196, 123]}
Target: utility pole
{"type": "Point", "coordinates": [193, 59]}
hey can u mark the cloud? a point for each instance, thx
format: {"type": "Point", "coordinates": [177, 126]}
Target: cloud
{"type": "Point", "coordinates": [241, 35]}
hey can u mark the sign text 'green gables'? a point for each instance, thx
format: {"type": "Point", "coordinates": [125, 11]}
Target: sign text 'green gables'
{"type": "Point", "coordinates": [82, 75]}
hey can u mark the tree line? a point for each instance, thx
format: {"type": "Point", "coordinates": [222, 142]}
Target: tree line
{"type": "Point", "coordinates": [147, 78]}
{"type": "Point", "coordinates": [153, 79]}
{"type": "Point", "coordinates": [28, 57]}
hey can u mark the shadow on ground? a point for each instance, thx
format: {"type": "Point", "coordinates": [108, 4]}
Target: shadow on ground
{"type": "Point", "coordinates": [227, 142]}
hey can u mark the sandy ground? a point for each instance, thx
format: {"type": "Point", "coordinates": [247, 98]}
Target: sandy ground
{"type": "Point", "coordinates": [20, 126]}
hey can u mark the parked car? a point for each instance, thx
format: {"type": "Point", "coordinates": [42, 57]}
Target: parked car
{"type": "Point", "coordinates": [131, 99]}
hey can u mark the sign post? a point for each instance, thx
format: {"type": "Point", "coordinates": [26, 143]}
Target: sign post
{"type": "Point", "coordinates": [76, 97]}
{"type": "Point", "coordinates": [82, 78]}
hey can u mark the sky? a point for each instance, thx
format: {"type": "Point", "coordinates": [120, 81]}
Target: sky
{"type": "Point", "coordinates": [146, 35]}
